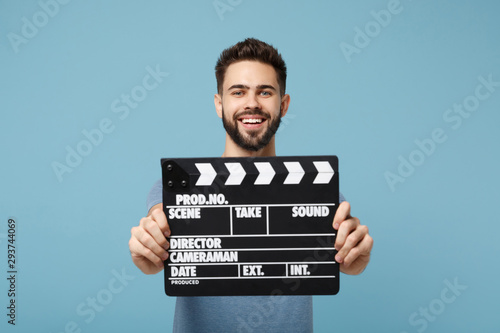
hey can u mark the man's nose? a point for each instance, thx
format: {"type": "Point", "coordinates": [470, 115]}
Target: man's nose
{"type": "Point", "coordinates": [252, 101]}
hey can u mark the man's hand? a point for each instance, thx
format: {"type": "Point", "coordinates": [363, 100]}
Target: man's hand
{"type": "Point", "coordinates": [148, 244]}
{"type": "Point", "coordinates": [353, 242]}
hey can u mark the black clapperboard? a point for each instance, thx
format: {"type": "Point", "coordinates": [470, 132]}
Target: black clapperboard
{"type": "Point", "coordinates": [251, 226]}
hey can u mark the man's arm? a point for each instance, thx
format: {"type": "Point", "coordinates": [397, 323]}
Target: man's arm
{"type": "Point", "coordinates": [353, 242]}
{"type": "Point", "coordinates": [148, 244]}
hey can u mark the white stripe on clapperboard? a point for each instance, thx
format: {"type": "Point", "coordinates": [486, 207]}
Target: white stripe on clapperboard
{"type": "Point", "coordinates": [256, 277]}
{"type": "Point", "coordinates": [257, 249]}
{"type": "Point", "coordinates": [266, 173]}
{"type": "Point", "coordinates": [253, 263]}
{"type": "Point", "coordinates": [254, 205]}
{"type": "Point", "coordinates": [253, 277]}
{"type": "Point", "coordinates": [295, 173]}
{"type": "Point", "coordinates": [252, 235]}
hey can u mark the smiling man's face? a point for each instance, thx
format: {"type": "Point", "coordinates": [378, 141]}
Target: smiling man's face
{"type": "Point", "coordinates": [251, 105]}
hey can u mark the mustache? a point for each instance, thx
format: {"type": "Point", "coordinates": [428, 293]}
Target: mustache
{"type": "Point", "coordinates": [255, 112]}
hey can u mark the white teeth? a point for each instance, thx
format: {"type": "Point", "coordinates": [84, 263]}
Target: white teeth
{"type": "Point", "coordinates": [251, 120]}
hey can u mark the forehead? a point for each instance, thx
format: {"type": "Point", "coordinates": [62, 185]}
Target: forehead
{"type": "Point", "coordinates": [251, 73]}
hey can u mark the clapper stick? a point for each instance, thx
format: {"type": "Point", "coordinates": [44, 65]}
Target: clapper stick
{"type": "Point", "coordinates": [251, 226]}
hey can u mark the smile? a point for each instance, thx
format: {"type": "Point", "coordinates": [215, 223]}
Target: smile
{"type": "Point", "coordinates": [252, 120]}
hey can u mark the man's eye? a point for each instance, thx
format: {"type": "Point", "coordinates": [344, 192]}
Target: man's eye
{"type": "Point", "coordinates": [266, 93]}
{"type": "Point", "coordinates": [237, 93]}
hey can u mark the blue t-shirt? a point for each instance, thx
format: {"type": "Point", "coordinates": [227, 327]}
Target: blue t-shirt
{"type": "Point", "coordinates": [231, 314]}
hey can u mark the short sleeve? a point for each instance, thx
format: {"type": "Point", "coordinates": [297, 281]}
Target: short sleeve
{"type": "Point", "coordinates": [155, 194]}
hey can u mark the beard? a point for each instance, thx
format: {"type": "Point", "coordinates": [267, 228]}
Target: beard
{"type": "Point", "coordinates": [253, 140]}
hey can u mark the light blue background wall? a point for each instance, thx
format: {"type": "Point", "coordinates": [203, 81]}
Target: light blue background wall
{"type": "Point", "coordinates": [439, 225]}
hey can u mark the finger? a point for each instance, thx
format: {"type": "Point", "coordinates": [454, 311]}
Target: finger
{"type": "Point", "coordinates": [154, 230]}
{"type": "Point", "coordinates": [149, 242]}
{"type": "Point", "coordinates": [342, 214]}
{"type": "Point", "coordinates": [138, 250]}
{"type": "Point", "coordinates": [363, 248]}
{"type": "Point", "coordinates": [344, 230]}
{"type": "Point", "coordinates": [159, 217]}
{"type": "Point", "coordinates": [352, 244]}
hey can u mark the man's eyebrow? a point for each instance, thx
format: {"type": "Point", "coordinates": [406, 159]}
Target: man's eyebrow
{"type": "Point", "coordinates": [265, 86]}
{"type": "Point", "coordinates": [238, 86]}
{"type": "Point", "coordinates": [260, 86]}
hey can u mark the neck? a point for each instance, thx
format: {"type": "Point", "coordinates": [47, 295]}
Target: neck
{"type": "Point", "coordinates": [233, 150]}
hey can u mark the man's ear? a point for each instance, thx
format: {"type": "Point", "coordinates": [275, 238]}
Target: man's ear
{"type": "Point", "coordinates": [218, 104]}
{"type": "Point", "coordinates": [285, 102]}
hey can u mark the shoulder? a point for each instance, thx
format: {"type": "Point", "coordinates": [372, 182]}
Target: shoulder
{"type": "Point", "coordinates": [155, 195]}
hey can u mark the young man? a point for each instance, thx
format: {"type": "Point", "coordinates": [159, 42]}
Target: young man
{"type": "Point", "coordinates": [251, 99]}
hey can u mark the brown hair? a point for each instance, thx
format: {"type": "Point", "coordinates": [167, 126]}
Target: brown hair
{"type": "Point", "coordinates": [251, 49]}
